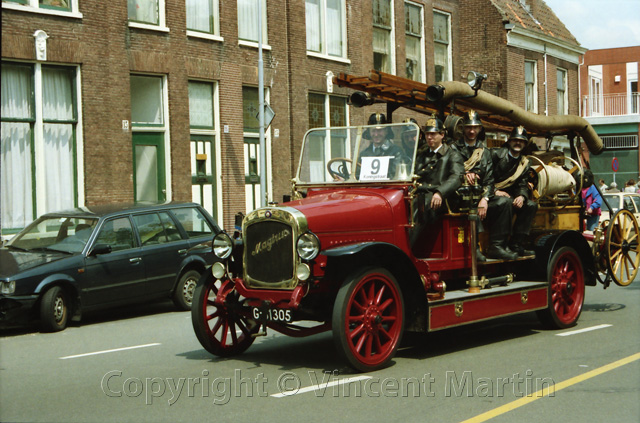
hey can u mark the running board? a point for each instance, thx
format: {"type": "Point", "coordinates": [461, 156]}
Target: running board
{"type": "Point", "coordinates": [461, 307]}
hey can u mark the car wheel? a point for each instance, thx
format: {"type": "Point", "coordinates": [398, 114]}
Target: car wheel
{"type": "Point", "coordinates": [183, 295]}
{"type": "Point", "coordinates": [368, 319]}
{"type": "Point", "coordinates": [54, 310]}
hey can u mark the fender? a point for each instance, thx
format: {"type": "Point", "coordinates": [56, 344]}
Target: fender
{"type": "Point", "coordinates": [54, 278]}
{"type": "Point", "coordinates": [575, 240]}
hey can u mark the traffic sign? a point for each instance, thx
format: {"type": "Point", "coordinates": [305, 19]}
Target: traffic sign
{"type": "Point", "coordinates": [614, 164]}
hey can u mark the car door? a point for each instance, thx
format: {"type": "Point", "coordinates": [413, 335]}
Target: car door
{"type": "Point", "coordinates": [117, 276]}
{"type": "Point", "coordinates": [163, 250]}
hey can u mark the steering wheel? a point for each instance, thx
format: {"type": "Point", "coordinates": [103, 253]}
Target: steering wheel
{"type": "Point", "coordinates": [338, 168]}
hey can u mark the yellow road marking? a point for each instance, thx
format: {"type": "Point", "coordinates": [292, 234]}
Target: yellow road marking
{"type": "Point", "coordinates": [551, 389]}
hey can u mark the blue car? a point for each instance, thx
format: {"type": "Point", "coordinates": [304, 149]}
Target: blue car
{"type": "Point", "coordinates": [73, 261]}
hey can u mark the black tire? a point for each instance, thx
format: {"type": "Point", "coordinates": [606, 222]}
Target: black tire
{"type": "Point", "coordinates": [185, 289]}
{"type": "Point", "coordinates": [566, 290]}
{"type": "Point", "coordinates": [368, 319]}
{"type": "Point", "coordinates": [216, 327]}
{"type": "Point", "coordinates": [54, 310]}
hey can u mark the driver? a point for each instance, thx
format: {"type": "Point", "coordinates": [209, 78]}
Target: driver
{"type": "Point", "coordinates": [382, 144]}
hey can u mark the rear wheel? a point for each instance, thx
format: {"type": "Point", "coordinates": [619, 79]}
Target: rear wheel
{"type": "Point", "coordinates": [622, 248]}
{"type": "Point", "coordinates": [220, 330]}
{"type": "Point", "coordinates": [54, 310]}
{"type": "Point", "coordinates": [368, 319]}
{"type": "Point", "coordinates": [566, 290]}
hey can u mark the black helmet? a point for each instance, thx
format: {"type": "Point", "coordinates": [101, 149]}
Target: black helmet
{"type": "Point", "coordinates": [471, 118]}
{"type": "Point", "coordinates": [433, 125]}
{"type": "Point", "coordinates": [378, 119]}
{"type": "Point", "coordinates": [519, 133]}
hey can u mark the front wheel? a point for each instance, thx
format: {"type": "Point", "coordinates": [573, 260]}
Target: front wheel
{"type": "Point", "coordinates": [566, 290]}
{"type": "Point", "coordinates": [368, 319]}
{"type": "Point", "coordinates": [54, 310]}
{"type": "Point", "coordinates": [220, 329]}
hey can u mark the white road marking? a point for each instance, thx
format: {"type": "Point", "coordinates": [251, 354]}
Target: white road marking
{"type": "Point", "coordinates": [574, 332]}
{"type": "Point", "coordinates": [320, 386]}
{"type": "Point", "coordinates": [110, 351]}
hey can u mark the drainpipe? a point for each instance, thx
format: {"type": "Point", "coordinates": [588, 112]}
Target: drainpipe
{"type": "Point", "coordinates": [579, 87]}
{"type": "Point", "coordinates": [546, 91]}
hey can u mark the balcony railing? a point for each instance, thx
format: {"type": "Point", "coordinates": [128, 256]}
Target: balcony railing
{"type": "Point", "coordinates": [611, 105]}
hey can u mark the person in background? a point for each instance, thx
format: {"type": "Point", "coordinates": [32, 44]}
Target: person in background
{"type": "Point", "coordinates": [630, 186]}
{"type": "Point", "coordinates": [613, 187]}
{"type": "Point", "coordinates": [591, 199]}
{"type": "Point", "coordinates": [603, 187]}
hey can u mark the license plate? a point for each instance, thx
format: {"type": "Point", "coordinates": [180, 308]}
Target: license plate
{"type": "Point", "coordinates": [271, 314]}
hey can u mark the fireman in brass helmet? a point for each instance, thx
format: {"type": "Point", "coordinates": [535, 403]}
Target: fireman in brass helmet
{"type": "Point", "coordinates": [440, 169]}
{"type": "Point", "coordinates": [510, 169]}
{"type": "Point", "coordinates": [494, 211]}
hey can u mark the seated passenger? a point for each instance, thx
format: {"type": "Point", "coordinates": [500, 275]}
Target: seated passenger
{"type": "Point", "coordinates": [440, 169]}
{"type": "Point", "coordinates": [510, 170]}
{"type": "Point", "coordinates": [382, 145]}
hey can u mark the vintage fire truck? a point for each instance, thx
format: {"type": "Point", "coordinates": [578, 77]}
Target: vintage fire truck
{"type": "Point", "coordinates": [337, 257]}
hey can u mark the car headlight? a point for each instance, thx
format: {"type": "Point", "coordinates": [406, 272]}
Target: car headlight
{"type": "Point", "coordinates": [308, 246]}
{"type": "Point", "coordinates": [222, 245]}
{"type": "Point", "coordinates": [8, 287]}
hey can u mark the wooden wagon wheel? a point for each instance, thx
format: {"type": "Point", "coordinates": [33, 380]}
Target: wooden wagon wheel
{"type": "Point", "coordinates": [621, 247]}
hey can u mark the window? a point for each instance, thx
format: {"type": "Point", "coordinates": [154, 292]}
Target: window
{"type": "Point", "coordinates": [383, 36]}
{"type": "Point", "coordinates": [563, 103]}
{"type": "Point", "coordinates": [596, 100]}
{"type": "Point", "coordinates": [248, 20]}
{"type": "Point", "coordinates": [326, 27]}
{"type": "Point", "coordinates": [442, 46]}
{"type": "Point", "coordinates": [146, 13]}
{"type": "Point", "coordinates": [203, 17]}
{"type": "Point", "coordinates": [148, 137]}
{"type": "Point", "coordinates": [414, 42]}
{"type": "Point", "coordinates": [530, 87]}
{"type": "Point", "coordinates": [252, 170]}
{"type": "Point", "coordinates": [193, 221]}
{"type": "Point", "coordinates": [117, 233]}
{"type": "Point", "coordinates": [38, 149]}
{"type": "Point", "coordinates": [204, 142]}
{"type": "Point", "coordinates": [52, 7]}
{"type": "Point", "coordinates": [326, 111]}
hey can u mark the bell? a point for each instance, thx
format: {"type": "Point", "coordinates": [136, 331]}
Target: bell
{"type": "Point", "coordinates": [402, 172]}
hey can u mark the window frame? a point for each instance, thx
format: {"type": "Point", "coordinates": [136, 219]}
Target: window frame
{"type": "Point", "coordinates": [215, 34]}
{"type": "Point", "coordinates": [423, 76]}
{"type": "Point", "coordinates": [33, 6]}
{"type": "Point", "coordinates": [533, 84]}
{"type": "Point", "coordinates": [36, 141]}
{"type": "Point", "coordinates": [449, 45]}
{"type": "Point", "coordinates": [565, 92]}
{"type": "Point", "coordinates": [265, 30]}
{"type": "Point", "coordinates": [162, 23]}
{"type": "Point", "coordinates": [323, 53]}
{"type": "Point", "coordinates": [392, 36]}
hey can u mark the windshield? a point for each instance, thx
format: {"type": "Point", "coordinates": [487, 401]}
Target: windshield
{"type": "Point", "coordinates": [380, 153]}
{"type": "Point", "coordinates": [62, 234]}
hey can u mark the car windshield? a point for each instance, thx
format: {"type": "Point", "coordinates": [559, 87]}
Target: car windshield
{"type": "Point", "coordinates": [58, 234]}
{"type": "Point", "coordinates": [380, 153]}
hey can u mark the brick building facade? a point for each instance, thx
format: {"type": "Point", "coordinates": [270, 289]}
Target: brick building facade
{"type": "Point", "coordinates": [161, 103]}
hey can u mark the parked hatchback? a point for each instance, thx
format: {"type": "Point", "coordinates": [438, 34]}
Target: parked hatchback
{"type": "Point", "coordinates": [69, 262]}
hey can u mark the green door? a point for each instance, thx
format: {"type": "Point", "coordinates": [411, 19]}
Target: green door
{"type": "Point", "coordinates": [148, 167]}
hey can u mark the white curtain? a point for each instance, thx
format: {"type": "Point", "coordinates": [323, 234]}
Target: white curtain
{"type": "Point", "coordinates": [57, 105]}
{"type": "Point", "coordinates": [16, 185]}
{"type": "Point", "coordinates": [144, 11]}
{"type": "Point", "coordinates": [313, 25]}
{"type": "Point", "coordinates": [248, 20]}
{"type": "Point", "coordinates": [199, 15]}
{"type": "Point", "coordinates": [146, 173]}
{"type": "Point", "coordinates": [201, 104]}
{"type": "Point", "coordinates": [334, 27]}
{"type": "Point", "coordinates": [146, 100]}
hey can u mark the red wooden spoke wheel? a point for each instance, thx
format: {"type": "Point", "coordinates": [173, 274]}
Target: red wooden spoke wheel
{"type": "Point", "coordinates": [220, 329]}
{"type": "Point", "coordinates": [368, 319]}
{"type": "Point", "coordinates": [566, 289]}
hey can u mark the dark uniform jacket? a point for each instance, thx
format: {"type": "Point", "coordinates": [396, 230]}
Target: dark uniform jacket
{"type": "Point", "coordinates": [484, 167]}
{"type": "Point", "coordinates": [504, 166]}
{"type": "Point", "coordinates": [441, 171]}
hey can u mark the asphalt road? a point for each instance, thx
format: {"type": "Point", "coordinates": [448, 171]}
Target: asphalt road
{"type": "Point", "coordinates": [145, 364]}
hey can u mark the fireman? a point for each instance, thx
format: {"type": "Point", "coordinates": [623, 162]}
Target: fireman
{"type": "Point", "coordinates": [492, 209]}
{"type": "Point", "coordinates": [510, 170]}
{"type": "Point", "coordinates": [440, 169]}
{"type": "Point", "coordinates": [382, 143]}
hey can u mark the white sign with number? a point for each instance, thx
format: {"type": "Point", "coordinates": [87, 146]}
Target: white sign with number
{"type": "Point", "coordinates": [375, 168]}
